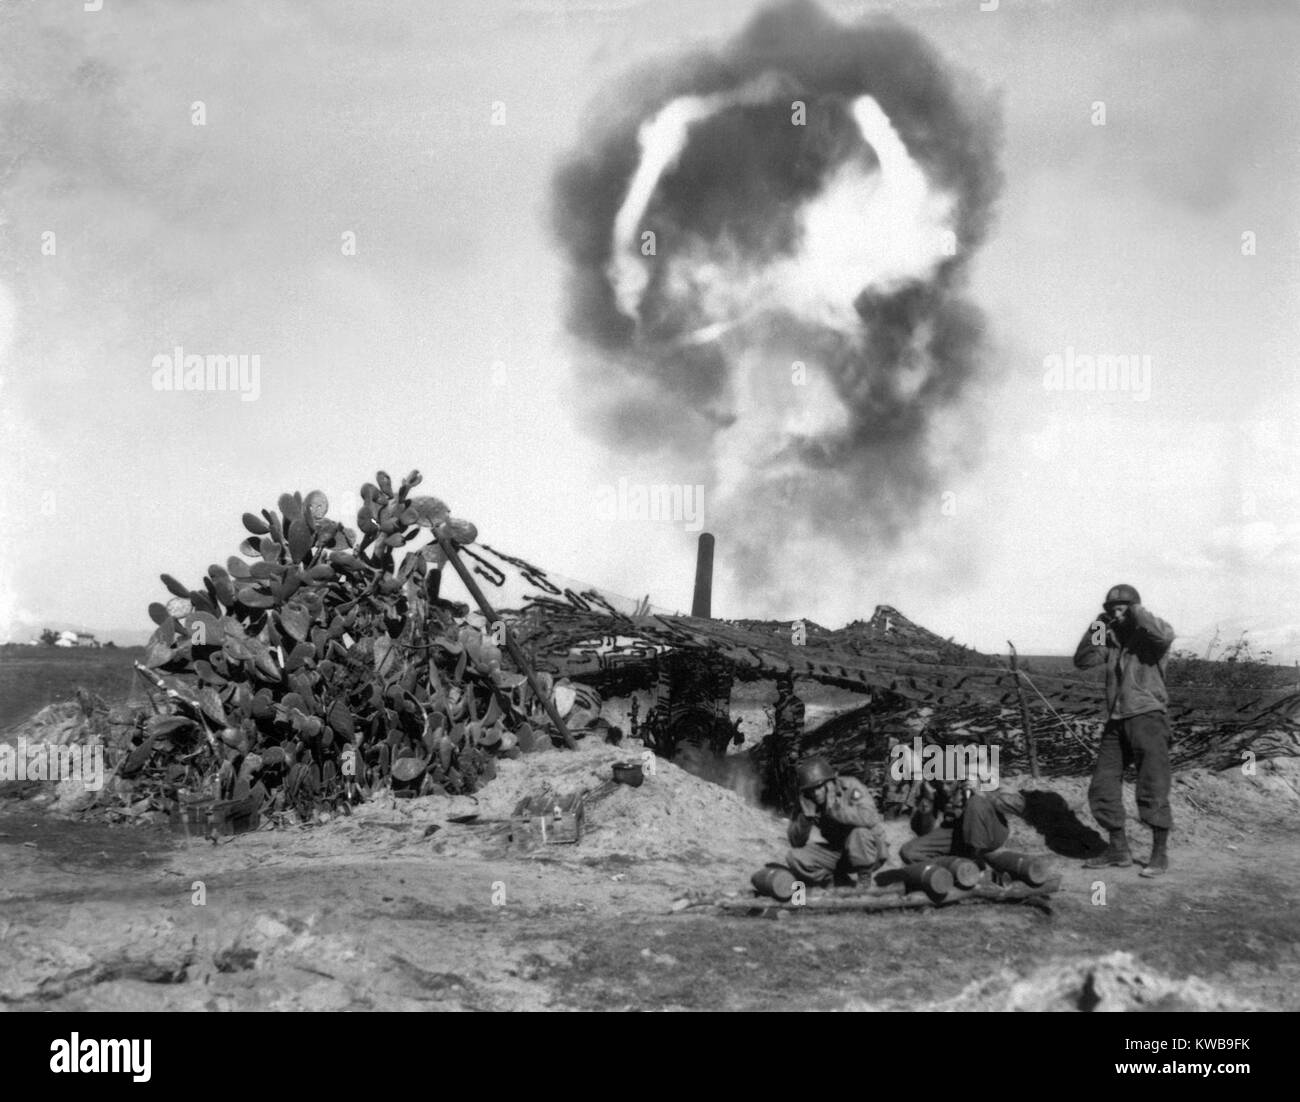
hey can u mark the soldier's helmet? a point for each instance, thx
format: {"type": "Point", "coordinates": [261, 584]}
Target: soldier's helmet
{"type": "Point", "coordinates": [813, 772]}
{"type": "Point", "coordinates": [1121, 595]}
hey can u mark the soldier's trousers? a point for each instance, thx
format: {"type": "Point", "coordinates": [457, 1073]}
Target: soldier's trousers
{"type": "Point", "coordinates": [981, 829]}
{"type": "Point", "coordinates": [1143, 741]}
{"type": "Point", "coordinates": [816, 864]}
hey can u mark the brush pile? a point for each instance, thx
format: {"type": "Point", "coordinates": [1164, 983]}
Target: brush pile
{"type": "Point", "coordinates": [857, 742]}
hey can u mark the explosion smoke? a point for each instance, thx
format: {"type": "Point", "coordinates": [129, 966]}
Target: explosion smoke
{"type": "Point", "coordinates": [814, 193]}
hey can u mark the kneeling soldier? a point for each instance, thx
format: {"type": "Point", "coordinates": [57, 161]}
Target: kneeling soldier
{"type": "Point", "coordinates": [843, 810]}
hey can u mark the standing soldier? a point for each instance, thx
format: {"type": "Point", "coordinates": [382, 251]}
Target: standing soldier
{"type": "Point", "coordinates": [1134, 645]}
{"type": "Point", "coordinates": [843, 810]}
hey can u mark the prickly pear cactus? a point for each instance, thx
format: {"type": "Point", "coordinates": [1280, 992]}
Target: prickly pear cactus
{"type": "Point", "coordinates": [317, 656]}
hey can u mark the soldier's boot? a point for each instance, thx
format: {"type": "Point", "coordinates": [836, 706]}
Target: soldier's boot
{"type": "Point", "coordinates": [854, 876]}
{"type": "Point", "coordinates": [864, 875]}
{"type": "Point", "coordinates": [1117, 854]}
{"type": "Point", "coordinates": [1159, 863]}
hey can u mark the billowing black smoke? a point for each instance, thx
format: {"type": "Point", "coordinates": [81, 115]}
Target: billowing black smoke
{"type": "Point", "coordinates": [685, 334]}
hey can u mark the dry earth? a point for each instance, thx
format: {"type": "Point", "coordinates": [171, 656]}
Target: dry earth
{"type": "Point", "coordinates": [396, 907]}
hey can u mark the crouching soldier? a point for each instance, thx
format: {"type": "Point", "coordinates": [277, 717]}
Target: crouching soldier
{"type": "Point", "coordinates": [976, 830]}
{"type": "Point", "coordinates": [853, 834]}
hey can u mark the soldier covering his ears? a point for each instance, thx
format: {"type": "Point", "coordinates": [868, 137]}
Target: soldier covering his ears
{"type": "Point", "coordinates": [843, 811]}
{"type": "Point", "coordinates": [1134, 645]}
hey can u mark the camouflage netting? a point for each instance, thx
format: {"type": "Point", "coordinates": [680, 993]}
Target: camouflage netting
{"type": "Point", "coordinates": [887, 655]}
{"type": "Point", "coordinates": [914, 683]}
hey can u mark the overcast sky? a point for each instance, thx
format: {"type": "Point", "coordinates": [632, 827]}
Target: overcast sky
{"type": "Point", "coordinates": [440, 344]}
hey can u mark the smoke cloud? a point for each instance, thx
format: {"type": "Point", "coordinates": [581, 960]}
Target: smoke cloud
{"type": "Point", "coordinates": [767, 249]}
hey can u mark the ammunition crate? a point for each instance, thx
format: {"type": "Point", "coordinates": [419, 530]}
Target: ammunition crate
{"type": "Point", "coordinates": [191, 815]}
{"type": "Point", "coordinates": [549, 819]}
{"type": "Point", "coordinates": [236, 816]}
{"type": "Point", "coordinates": [203, 816]}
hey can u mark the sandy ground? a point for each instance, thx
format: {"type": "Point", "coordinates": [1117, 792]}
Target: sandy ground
{"type": "Point", "coordinates": [396, 907]}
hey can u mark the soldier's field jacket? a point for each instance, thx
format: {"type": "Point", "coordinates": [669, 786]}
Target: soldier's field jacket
{"type": "Point", "coordinates": [848, 805]}
{"type": "Point", "coordinates": [1135, 667]}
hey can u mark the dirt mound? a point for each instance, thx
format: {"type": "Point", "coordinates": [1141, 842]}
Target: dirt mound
{"type": "Point", "coordinates": [79, 721]}
{"type": "Point", "coordinates": [84, 721]}
{"type": "Point", "coordinates": [688, 814]}
{"type": "Point", "coordinates": [1114, 983]}
{"type": "Point", "coordinates": [674, 815]}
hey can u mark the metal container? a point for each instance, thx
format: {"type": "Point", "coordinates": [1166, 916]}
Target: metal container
{"type": "Point", "coordinates": [629, 773]}
{"type": "Point", "coordinates": [965, 873]}
{"type": "Point", "coordinates": [774, 880]}
{"type": "Point", "coordinates": [929, 877]}
{"type": "Point", "coordinates": [1033, 871]}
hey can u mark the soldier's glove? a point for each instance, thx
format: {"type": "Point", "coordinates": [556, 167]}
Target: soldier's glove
{"type": "Point", "coordinates": [799, 831]}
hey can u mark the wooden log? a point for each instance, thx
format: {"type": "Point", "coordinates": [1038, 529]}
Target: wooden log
{"type": "Point", "coordinates": [874, 901]}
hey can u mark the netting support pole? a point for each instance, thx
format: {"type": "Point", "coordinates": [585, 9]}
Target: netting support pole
{"type": "Point", "coordinates": [516, 651]}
